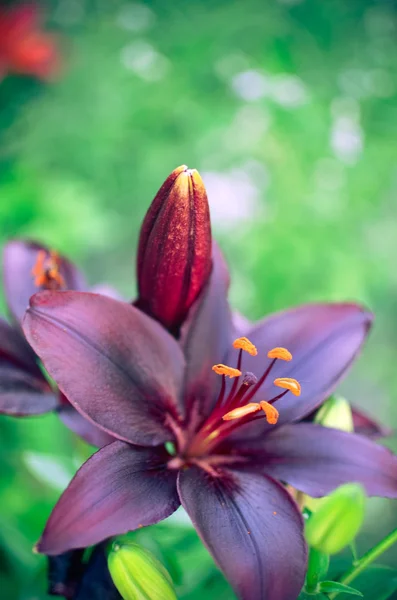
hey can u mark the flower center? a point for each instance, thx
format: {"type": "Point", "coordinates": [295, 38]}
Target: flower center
{"type": "Point", "coordinates": [46, 271]}
{"type": "Point", "coordinates": [235, 408]}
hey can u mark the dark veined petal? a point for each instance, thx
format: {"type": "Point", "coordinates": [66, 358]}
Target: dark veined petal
{"type": "Point", "coordinates": [117, 366]}
{"type": "Point", "coordinates": [207, 335]}
{"type": "Point", "coordinates": [83, 427]}
{"type": "Point", "coordinates": [23, 395]}
{"type": "Point", "coordinates": [241, 324]}
{"type": "Point", "coordinates": [324, 340]}
{"type": "Point", "coordinates": [317, 459]}
{"type": "Point", "coordinates": [120, 488]}
{"type": "Point", "coordinates": [15, 349]}
{"type": "Point", "coordinates": [252, 528]}
{"type": "Point", "coordinates": [19, 260]}
{"type": "Point", "coordinates": [366, 425]}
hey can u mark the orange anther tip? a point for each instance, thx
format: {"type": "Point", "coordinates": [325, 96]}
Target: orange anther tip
{"type": "Point", "coordinates": [281, 353]}
{"type": "Point", "coordinates": [243, 343]}
{"type": "Point", "coordinates": [45, 271]}
{"type": "Point", "coordinates": [242, 411]}
{"type": "Point", "coordinates": [225, 370]}
{"type": "Point", "coordinates": [289, 384]}
{"type": "Point", "coordinates": [271, 413]}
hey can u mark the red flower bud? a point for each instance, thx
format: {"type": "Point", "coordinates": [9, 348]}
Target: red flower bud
{"type": "Point", "coordinates": [174, 254]}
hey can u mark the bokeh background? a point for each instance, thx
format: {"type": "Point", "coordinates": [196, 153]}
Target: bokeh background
{"type": "Point", "coordinates": [289, 111]}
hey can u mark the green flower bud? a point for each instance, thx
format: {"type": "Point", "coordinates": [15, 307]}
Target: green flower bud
{"type": "Point", "coordinates": [337, 520]}
{"type": "Point", "coordinates": [137, 574]}
{"type": "Point", "coordinates": [336, 413]}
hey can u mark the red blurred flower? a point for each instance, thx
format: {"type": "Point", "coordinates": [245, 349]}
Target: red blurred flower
{"type": "Point", "coordinates": [24, 48]}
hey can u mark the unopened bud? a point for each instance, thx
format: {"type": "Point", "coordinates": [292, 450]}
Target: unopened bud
{"type": "Point", "coordinates": [137, 574]}
{"type": "Point", "coordinates": [174, 254]}
{"type": "Point", "coordinates": [336, 413]}
{"type": "Point", "coordinates": [337, 520]}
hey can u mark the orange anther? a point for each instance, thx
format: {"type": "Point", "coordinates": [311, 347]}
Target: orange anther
{"type": "Point", "coordinates": [243, 343]}
{"type": "Point", "coordinates": [225, 370]}
{"type": "Point", "coordinates": [281, 353]}
{"type": "Point", "coordinates": [46, 271]}
{"type": "Point", "coordinates": [38, 270]}
{"type": "Point", "coordinates": [271, 413]}
{"type": "Point", "coordinates": [289, 384]}
{"type": "Point", "coordinates": [242, 411]}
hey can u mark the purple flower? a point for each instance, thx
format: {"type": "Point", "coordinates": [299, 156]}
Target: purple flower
{"type": "Point", "coordinates": [24, 390]}
{"type": "Point", "coordinates": [210, 419]}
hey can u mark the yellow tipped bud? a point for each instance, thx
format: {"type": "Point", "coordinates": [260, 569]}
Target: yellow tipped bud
{"type": "Point", "coordinates": [137, 574]}
{"type": "Point", "coordinates": [336, 413]}
{"type": "Point", "coordinates": [337, 520]}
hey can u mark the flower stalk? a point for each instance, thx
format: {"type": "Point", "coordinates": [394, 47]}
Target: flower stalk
{"type": "Point", "coordinates": [369, 557]}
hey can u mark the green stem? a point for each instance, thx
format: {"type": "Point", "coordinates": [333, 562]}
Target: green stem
{"type": "Point", "coordinates": [367, 559]}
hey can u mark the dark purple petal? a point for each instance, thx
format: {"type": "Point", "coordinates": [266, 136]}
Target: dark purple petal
{"type": "Point", "coordinates": [117, 366]}
{"type": "Point", "coordinates": [174, 254]}
{"type": "Point", "coordinates": [207, 335]}
{"type": "Point", "coordinates": [83, 427]}
{"type": "Point", "coordinates": [324, 340]}
{"type": "Point", "coordinates": [21, 394]}
{"type": "Point", "coordinates": [15, 349]}
{"type": "Point", "coordinates": [64, 573]}
{"type": "Point", "coordinates": [366, 425]}
{"type": "Point", "coordinates": [317, 459]}
{"type": "Point", "coordinates": [241, 324]}
{"type": "Point", "coordinates": [19, 259]}
{"type": "Point", "coordinates": [252, 528]}
{"type": "Point", "coordinates": [120, 488]}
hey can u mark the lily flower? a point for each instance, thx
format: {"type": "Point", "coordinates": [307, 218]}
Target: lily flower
{"type": "Point", "coordinates": [24, 48]}
{"type": "Point", "coordinates": [208, 419]}
{"type": "Point", "coordinates": [24, 390]}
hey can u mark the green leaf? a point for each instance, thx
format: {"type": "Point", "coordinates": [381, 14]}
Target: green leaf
{"type": "Point", "coordinates": [334, 586]}
{"type": "Point", "coordinates": [377, 582]}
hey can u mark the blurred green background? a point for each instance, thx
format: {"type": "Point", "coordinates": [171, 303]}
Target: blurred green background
{"type": "Point", "coordinates": [289, 111]}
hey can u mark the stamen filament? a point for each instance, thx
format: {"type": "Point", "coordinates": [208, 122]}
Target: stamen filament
{"type": "Point", "coordinates": [261, 380]}
{"type": "Point", "coordinates": [235, 382]}
{"type": "Point", "coordinates": [221, 393]}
